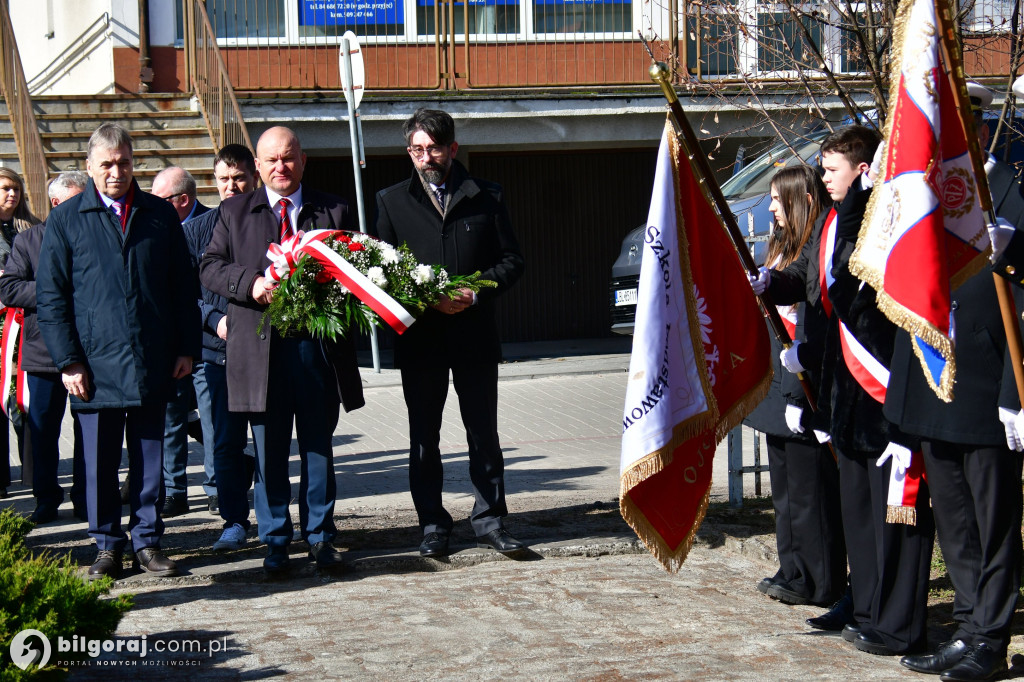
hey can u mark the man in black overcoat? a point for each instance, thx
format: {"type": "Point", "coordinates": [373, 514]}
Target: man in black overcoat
{"type": "Point", "coordinates": [451, 219]}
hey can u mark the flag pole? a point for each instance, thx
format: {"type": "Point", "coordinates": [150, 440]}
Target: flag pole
{"type": "Point", "coordinates": [958, 84]}
{"type": "Point", "coordinates": [660, 75]}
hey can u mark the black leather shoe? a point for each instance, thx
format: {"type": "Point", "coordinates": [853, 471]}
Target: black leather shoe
{"type": "Point", "coordinates": [3, 494]}
{"type": "Point", "coordinates": [944, 658]}
{"type": "Point", "coordinates": [152, 561]}
{"type": "Point", "coordinates": [979, 662]}
{"type": "Point", "coordinates": [851, 632]}
{"type": "Point", "coordinates": [277, 560]}
{"type": "Point", "coordinates": [125, 490]}
{"type": "Point", "coordinates": [326, 555]}
{"type": "Point", "coordinates": [175, 505]}
{"type": "Point", "coordinates": [836, 618]}
{"type": "Point", "coordinates": [81, 513]}
{"type": "Point", "coordinates": [499, 539]}
{"type": "Point", "coordinates": [868, 642]}
{"type": "Point", "coordinates": [434, 545]}
{"type": "Point", "coordinates": [784, 593]}
{"type": "Point", "coordinates": [108, 562]}
{"type": "Point", "coordinates": [44, 513]}
{"type": "Point", "coordinates": [213, 504]}
{"type": "Point", "coordinates": [765, 583]}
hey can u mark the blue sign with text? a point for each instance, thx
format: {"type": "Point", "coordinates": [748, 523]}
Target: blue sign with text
{"type": "Point", "coordinates": [350, 12]}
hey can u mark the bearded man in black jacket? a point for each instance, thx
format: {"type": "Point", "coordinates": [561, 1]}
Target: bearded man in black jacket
{"type": "Point", "coordinates": [450, 219]}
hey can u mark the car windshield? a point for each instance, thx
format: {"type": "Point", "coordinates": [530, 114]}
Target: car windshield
{"type": "Point", "coordinates": [755, 179]}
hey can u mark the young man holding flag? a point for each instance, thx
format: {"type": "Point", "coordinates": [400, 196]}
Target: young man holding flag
{"type": "Point", "coordinates": [888, 565]}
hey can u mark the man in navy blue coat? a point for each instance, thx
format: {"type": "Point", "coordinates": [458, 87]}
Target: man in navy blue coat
{"type": "Point", "coordinates": [117, 311]}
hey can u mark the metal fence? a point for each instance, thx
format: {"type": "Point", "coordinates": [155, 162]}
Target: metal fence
{"type": "Point", "coordinates": [23, 119]}
{"type": "Point", "coordinates": [464, 44]}
{"type": "Point", "coordinates": [209, 80]}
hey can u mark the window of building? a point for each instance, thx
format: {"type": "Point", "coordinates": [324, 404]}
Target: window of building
{"type": "Point", "coordinates": [486, 17]}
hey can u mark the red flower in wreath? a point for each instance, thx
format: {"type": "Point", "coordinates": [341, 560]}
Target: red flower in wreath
{"type": "Point", "coordinates": [345, 239]}
{"type": "Point", "coordinates": [323, 277]}
{"type": "Point", "coordinates": [356, 246]}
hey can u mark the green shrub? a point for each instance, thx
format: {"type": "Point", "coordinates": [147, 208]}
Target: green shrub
{"type": "Point", "coordinates": [46, 593]}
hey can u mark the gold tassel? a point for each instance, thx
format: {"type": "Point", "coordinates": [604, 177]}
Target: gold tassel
{"type": "Point", "coordinates": [901, 514]}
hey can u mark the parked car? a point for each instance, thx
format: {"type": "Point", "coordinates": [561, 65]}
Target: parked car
{"type": "Point", "coordinates": [748, 195]}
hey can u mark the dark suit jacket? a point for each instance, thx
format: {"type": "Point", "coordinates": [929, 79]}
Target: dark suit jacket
{"type": "Point", "coordinates": [475, 235]}
{"type": "Point", "coordinates": [235, 257]}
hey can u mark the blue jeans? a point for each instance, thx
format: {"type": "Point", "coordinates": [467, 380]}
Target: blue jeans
{"type": "Point", "coordinates": [176, 438]}
{"type": "Point", "coordinates": [233, 471]}
{"type": "Point", "coordinates": [45, 413]}
{"type": "Point", "coordinates": [206, 419]}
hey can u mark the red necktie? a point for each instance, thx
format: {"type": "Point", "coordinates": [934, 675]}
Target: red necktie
{"type": "Point", "coordinates": [286, 224]}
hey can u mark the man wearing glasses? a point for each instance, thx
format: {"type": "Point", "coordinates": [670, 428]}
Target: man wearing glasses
{"type": "Point", "coordinates": [450, 219]}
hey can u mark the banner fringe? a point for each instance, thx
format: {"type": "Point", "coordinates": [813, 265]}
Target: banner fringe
{"type": "Point", "coordinates": [671, 559]}
{"type": "Point", "coordinates": [901, 514]}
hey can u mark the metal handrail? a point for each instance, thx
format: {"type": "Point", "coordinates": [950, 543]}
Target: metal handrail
{"type": "Point", "coordinates": [71, 55]}
{"type": "Point", "coordinates": [23, 118]}
{"type": "Point", "coordinates": [209, 79]}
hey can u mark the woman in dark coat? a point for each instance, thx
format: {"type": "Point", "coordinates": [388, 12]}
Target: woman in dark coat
{"type": "Point", "coordinates": [15, 217]}
{"type": "Point", "coordinates": [804, 477]}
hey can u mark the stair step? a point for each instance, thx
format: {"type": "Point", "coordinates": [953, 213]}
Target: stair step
{"type": "Point", "coordinates": [120, 104]}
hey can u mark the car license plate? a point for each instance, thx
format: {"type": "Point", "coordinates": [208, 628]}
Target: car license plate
{"type": "Point", "coordinates": [625, 297]}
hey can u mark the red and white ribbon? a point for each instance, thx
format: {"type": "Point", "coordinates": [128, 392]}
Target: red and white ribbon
{"type": "Point", "coordinates": [904, 487]}
{"type": "Point", "coordinates": [14, 318]}
{"type": "Point", "coordinates": [286, 255]}
{"type": "Point", "coordinates": [871, 374]}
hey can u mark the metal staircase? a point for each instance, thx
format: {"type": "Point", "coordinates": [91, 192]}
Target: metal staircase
{"type": "Point", "coordinates": [165, 130]}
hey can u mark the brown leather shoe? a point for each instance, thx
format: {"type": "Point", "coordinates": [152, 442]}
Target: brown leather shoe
{"type": "Point", "coordinates": [108, 562]}
{"type": "Point", "coordinates": [152, 560]}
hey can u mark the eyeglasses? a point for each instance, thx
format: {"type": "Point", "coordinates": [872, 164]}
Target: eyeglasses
{"type": "Point", "coordinates": [433, 151]}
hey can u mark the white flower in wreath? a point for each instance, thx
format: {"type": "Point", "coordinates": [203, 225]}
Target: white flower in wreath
{"type": "Point", "coordinates": [423, 274]}
{"type": "Point", "coordinates": [389, 254]}
{"type": "Point", "coordinates": [376, 275]}
{"type": "Point", "coordinates": [360, 238]}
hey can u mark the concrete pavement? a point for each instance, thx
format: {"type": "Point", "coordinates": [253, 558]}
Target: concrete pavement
{"type": "Point", "coordinates": [589, 603]}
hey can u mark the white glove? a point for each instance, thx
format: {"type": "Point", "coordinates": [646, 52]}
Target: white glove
{"type": "Point", "coordinates": [1000, 235]}
{"type": "Point", "coordinates": [760, 283]}
{"type": "Point", "coordinates": [900, 457]}
{"type": "Point", "coordinates": [790, 359]}
{"type": "Point", "coordinates": [793, 414]}
{"type": "Point", "coordinates": [822, 436]}
{"type": "Point", "coordinates": [1012, 422]}
{"type": "Point", "coordinates": [876, 168]}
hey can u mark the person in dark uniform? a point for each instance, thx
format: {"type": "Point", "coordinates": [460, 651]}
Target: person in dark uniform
{"type": "Point", "coordinates": [974, 476]}
{"type": "Point", "coordinates": [804, 477]}
{"type": "Point", "coordinates": [451, 219]}
{"type": "Point", "coordinates": [888, 563]}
